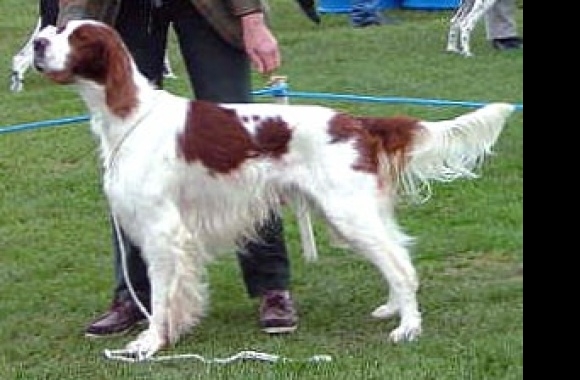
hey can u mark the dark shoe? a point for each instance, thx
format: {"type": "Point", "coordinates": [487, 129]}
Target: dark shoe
{"type": "Point", "coordinates": [509, 43]}
{"type": "Point", "coordinates": [367, 23]}
{"type": "Point", "coordinates": [277, 313]}
{"type": "Point", "coordinates": [121, 318]}
{"type": "Point", "coordinates": [378, 20]}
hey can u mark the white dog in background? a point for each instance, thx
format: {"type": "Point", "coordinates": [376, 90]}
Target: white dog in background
{"type": "Point", "coordinates": [463, 22]}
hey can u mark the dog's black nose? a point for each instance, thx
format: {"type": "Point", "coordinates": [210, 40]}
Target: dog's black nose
{"type": "Point", "coordinates": [39, 46]}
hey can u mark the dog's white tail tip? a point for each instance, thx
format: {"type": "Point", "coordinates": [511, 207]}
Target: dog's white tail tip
{"type": "Point", "coordinates": [453, 148]}
{"type": "Point", "coordinates": [503, 109]}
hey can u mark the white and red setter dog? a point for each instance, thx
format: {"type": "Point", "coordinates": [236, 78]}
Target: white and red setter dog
{"type": "Point", "coordinates": [188, 179]}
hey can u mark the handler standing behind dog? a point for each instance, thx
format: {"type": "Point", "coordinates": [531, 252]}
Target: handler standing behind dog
{"type": "Point", "coordinates": [48, 11]}
{"type": "Point", "coordinates": [219, 41]}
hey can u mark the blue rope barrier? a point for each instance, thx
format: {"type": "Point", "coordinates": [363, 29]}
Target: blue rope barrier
{"type": "Point", "coordinates": [44, 124]}
{"type": "Point", "coordinates": [277, 90]}
{"type": "Point", "coordinates": [391, 100]}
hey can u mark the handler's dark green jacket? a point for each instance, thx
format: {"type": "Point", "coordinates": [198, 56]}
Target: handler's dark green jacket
{"type": "Point", "coordinates": [224, 15]}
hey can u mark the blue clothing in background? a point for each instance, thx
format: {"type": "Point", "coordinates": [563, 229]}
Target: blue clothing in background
{"type": "Point", "coordinates": [365, 13]}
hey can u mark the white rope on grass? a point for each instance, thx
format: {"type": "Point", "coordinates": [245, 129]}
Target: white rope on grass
{"type": "Point", "coordinates": [121, 355]}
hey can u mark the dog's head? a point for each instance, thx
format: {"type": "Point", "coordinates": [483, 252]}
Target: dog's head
{"type": "Point", "coordinates": [82, 49]}
{"type": "Point", "coordinates": [88, 52]}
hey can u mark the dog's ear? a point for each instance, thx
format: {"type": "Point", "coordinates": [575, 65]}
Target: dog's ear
{"type": "Point", "coordinates": [99, 55]}
{"type": "Point", "coordinates": [120, 88]}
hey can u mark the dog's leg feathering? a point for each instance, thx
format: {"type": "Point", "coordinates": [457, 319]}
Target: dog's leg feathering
{"type": "Point", "coordinates": [178, 291]}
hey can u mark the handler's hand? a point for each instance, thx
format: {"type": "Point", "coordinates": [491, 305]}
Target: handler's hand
{"type": "Point", "coordinates": [261, 45]}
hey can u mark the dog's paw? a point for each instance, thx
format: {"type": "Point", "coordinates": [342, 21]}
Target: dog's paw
{"type": "Point", "coordinates": [452, 49]}
{"type": "Point", "coordinates": [388, 310]}
{"type": "Point", "coordinates": [146, 345]}
{"type": "Point", "coordinates": [406, 332]}
{"type": "Point", "coordinates": [465, 51]}
{"type": "Point", "coordinates": [16, 82]}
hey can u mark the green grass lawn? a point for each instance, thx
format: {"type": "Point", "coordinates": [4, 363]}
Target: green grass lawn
{"type": "Point", "coordinates": [56, 261]}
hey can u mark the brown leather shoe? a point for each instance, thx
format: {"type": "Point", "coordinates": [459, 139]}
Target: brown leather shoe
{"type": "Point", "coordinates": [277, 313]}
{"type": "Point", "coordinates": [121, 318]}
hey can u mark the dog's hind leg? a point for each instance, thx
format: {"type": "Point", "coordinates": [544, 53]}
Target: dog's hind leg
{"type": "Point", "coordinates": [453, 34]}
{"type": "Point", "coordinates": [392, 307]}
{"type": "Point", "coordinates": [383, 244]}
{"type": "Point", "coordinates": [468, 24]}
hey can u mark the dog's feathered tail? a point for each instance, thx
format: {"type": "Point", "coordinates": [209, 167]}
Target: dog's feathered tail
{"type": "Point", "coordinates": [450, 149]}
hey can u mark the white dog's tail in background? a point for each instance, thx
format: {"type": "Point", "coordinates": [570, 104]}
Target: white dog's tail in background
{"type": "Point", "coordinates": [450, 149]}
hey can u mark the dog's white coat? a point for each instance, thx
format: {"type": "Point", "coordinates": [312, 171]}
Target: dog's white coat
{"type": "Point", "coordinates": [181, 216]}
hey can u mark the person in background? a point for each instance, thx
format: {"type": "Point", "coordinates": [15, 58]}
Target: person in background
{"type": "Point", "coordinates": [501, 26]}
{"type": "Point", "coordinates": [48, 10]}
{"type": "Point", "coordinates": [219, 40]}
{"type": "Point", "coordinates": [365, 13]}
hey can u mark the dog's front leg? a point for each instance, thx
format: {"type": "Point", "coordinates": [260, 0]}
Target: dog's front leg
{"type": "Point", "coordinates": [146, 345]}
{"type": "Point", "coordinates": [155, 337]}
{"type": "Point", "coordinates": [176, 268]}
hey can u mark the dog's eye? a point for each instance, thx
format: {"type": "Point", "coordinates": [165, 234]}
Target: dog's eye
{"type": "Point", "coordinates": [60, 29]}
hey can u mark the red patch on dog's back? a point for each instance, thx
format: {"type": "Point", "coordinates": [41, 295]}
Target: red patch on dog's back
{"type": "Point", "coordinates": [216, 137]}
{"type": "Point", "coordinates": [273, 136]}
{"type": "Point", "coordinates": [344, 127]}
{"type": "Point", "coordinates": [393, 135]}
